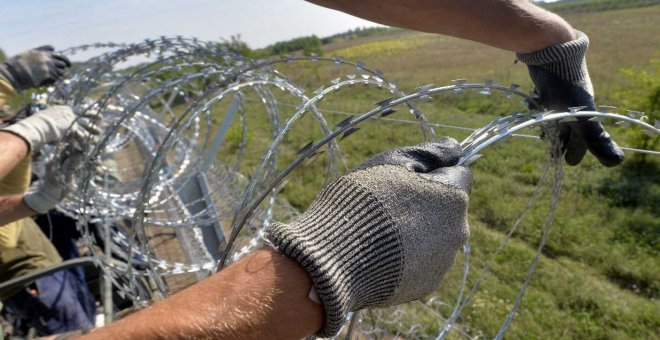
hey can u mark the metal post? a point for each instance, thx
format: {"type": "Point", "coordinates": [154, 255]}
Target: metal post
{"type": "Point", "coordinates": [106, 293]}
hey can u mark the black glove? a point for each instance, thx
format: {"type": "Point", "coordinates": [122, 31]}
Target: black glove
{"type": "Point", "coordinates": [34, 68]}
{"type": "Point", "coordinates": [562, 80]}
{"type": "Point", "coordinates": [385, 233]}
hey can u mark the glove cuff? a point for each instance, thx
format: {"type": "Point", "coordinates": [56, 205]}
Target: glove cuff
{"type": "Point", "coordinates": [25, 132]}
{"type": "Point", "coordinates": [565, 60]}
{"type": "Point", "coordinates": [350, 247]}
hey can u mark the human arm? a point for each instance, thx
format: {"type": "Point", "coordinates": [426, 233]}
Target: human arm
{"type": "Point", "coordinates": [552, 49]}
{"type": "Point", "coordinates": [514, 25]}
{"type": "Point", "coordinates": [263, 296]}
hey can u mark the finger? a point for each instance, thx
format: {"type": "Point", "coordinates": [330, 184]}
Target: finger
{"type": "Point", "coordinates": [599, 142]}
{"type": "Point", "coordinates": [422, 158]}
{"type": "Point", "coordinates": [459, 177]}
{"type": "Point", "coordinates": [429, 156]}
{"type": "Point", "coordinates": [92, 115]}
{"type": "Point", "coordinates": [61, 58]}
{"type": "Point", "coordinates": [573, 146]}
{"type": "Point", "coordinates": [89, 127]}
{"type": "Point", "coordinates": [49, 81]}
{"type": "Point", "coordinates": [58, 73]}
{"type": "Point", "coordinates": [46, 48]}
{"type": "Point", "coordinates": [59, 64]}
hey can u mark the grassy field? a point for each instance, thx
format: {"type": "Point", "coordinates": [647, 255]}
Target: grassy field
{"type": "Point", "coordinates": [599, 276]}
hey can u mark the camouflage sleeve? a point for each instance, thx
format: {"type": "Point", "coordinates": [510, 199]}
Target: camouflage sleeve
{"type": "Point", "coordinates": [7, 92]}
{"type": "Point", "coordinates": [16, 182]}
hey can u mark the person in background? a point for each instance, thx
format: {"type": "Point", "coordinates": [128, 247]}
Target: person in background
{"type": "Point", "coordinates": [18, 139]}
{"type": "Point", "coordinates": [63, 234]}
{"type": "Point", "coordinates": [50, 304]}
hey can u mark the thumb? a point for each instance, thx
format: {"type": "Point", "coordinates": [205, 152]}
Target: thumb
{"type": "Point", "coordinates": [599, 142]}
{"type": "Point", "coordinates": [46, 48]}
{"type": "Point", "coordinates": [61, 58]}
{"type": "Point", "coordinates": [572, 145]}
{"type": "Point", "coordinates": [459, 177]}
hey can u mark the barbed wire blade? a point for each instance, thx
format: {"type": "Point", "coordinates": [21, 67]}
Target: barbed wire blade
{"type": "Point", "coordinates": [472, 159]}
{"type": "Point", "coordinates": [349, 132]}
{"type": "Point", "coordinates": [424, 89]}
{"type": "Point", "coordinates": [305, 148]}
{"type": "Point", "coordinates": [606, 108]}
{"type": "Point", "coordinates": [568, 120]}
{"type": "Point", "coordinates": [635, 114]}
{"type": "Point", "coordinates": [345, 122]}
{"type": "Point", "coordinates": [575, 109]}
{"type": "Point", "coordinates": [387, 112]}
{"type": "Point", "coordinates": [385, 102]}
{"type": "Point", "coordinates": [623, 123]}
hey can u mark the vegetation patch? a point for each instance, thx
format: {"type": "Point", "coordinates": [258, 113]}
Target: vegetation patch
{"type": "Point", "coordinates": [381, 48]}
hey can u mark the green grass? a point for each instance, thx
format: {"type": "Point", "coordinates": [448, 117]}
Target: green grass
{"type": "Point", "coordinates": [579, 6]}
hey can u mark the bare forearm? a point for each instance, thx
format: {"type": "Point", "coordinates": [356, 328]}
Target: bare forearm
{"type": "Point", "coordinates": [12, 208]}
{"type": "Point", "coordinates": [515, 25]}
{"type": "Point", "coordinates": [12, 150]}
{"type": "Point", "coordinates": [262, 296]}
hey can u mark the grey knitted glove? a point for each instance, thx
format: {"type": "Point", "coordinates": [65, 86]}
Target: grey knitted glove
{"type": "Point", "coordinates": [50, 125]}
{"type": "Point", "coordinates": [562, 80]}
{"type": "Point", "coordinates": [38, 67]}
{"type": "Point", "coordinates": [384, 234]}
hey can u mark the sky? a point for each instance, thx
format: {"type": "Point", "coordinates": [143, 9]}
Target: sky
{"type": "Point", "coordinates": [66, 23]}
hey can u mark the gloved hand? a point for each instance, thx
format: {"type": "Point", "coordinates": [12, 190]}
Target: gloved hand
{"type": "Point", "coordinates": [44, 194]}
{"type": "Point", "coordinates": [562, 80]}
{"type": "Point", "coordinates": [38, 67]}
{"type": "Point", "coordinates": [50, 125]}
{"type": "Point", "coordinates": [48, 191]}
{"type": "Point", "coordinates": [385, 233]}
